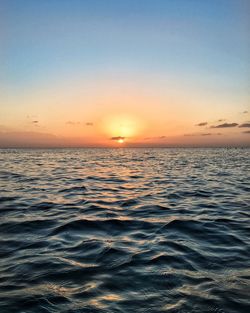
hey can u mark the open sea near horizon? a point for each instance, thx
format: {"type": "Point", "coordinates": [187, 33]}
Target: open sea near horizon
{"type": "Point", "coordinates": [124, 230]}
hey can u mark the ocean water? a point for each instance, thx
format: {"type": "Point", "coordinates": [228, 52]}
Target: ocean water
{"type": "Point", "coordinates": [124, 230]}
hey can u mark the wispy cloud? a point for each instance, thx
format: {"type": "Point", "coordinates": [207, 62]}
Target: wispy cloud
{"type": "Point", "coordinates": [3, 128]}
{"type": "Point", "coordinates": [225, 125]}
{"type": "Point", "coordinates": [246, 132]}
{"type": "Point", "coordinates": [244, 112]}
{"type": "Point", "coordinates": [27, 139]}
{"type": "Point", "coordinates": [203, 134]}
{"type": "Point", "coordinates": [77, 123]}
{"type": "Point", "coordinates": [32, 119]}
{"type": "Point", "coordinates": [201, 124]}
{"type": "Point", "coordinates": [245, 125]}
{"type": "Point", "coordinates": [35, 123]}
{"type": "Point", "coordinates": [155, 138]}
{"type": "Point", "coordinates": [210, 134]}
{"type": "Point", "coordinates": [72, 123]}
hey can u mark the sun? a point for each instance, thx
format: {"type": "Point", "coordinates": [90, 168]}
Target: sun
{"type": "Point", "coordinates": [120, 140]}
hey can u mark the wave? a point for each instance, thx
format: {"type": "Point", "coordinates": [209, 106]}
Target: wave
{"type": "Point", "coordinates": [126, 230]}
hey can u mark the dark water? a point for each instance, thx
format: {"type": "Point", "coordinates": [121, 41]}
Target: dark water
{"type": "Point", "coordinates": [124, 230]}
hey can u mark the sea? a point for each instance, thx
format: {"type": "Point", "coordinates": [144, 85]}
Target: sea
{"type": "Point", "coordinates": [125, 230]}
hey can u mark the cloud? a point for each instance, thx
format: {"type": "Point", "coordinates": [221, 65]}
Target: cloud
{"type": "Point", "coordinates": [203, 134]}
{"type": "Point", "coordinates": [222, 120]}
{"type": "Point", "coordinates": [201, 124]}
{"type": "Point", "coordinates": [225, 125]}
{"type": "Point", "coordinates": [32, 120]}
{"type": "Point", "coordinates": [244, 112]}
{"type": "Point", "coordinates": [246, 132]}
{"type": "Point", "coordinates": [72, 123]}
{"type": "Point", "coordinates": [211, 134]}
{"type": "Point", "coordinates": [28, 139]}
{"type": "Point", "coordinates": [3, 128]}
{"type": "Point", "coordinates": [245, 125]}
{"type": "Point", "coordinates": [155, 138]}
{"type": "Point", "coordinates": [117, 138]}
{"type": "Point", "coordinates": [76, 123]}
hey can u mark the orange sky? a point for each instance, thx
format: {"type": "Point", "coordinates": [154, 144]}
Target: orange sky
{"type": "Point", "coordinates": [143, 112]}
{"type": "Point", "coordinates": [89, 75]}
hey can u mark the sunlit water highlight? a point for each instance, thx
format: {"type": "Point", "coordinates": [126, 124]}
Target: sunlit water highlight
{"type": "Point", "coordinates": [124, 230]}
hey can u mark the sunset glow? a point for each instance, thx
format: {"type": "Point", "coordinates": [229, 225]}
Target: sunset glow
{"type": "Point", "coordinates": [122, 125]}
{"type": "Point", "coordinates": [169, 73]}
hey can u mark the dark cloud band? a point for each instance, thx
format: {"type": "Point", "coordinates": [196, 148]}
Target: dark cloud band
{"type": "Point", "coordinates": [225, 125]}
{"type": "Point", "coordinates": [245, 125]}
{"type": "Point", "coordinates": [201, 124]}
{"type": "Point", "coordinates": [117, 138]}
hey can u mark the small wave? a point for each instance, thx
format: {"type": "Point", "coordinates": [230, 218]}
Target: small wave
{"type": "Point", "coordinates": [124, 230]}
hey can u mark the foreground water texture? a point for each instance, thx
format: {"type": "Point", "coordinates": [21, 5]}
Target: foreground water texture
{"type": "Point", "coordinates": [124, 230]}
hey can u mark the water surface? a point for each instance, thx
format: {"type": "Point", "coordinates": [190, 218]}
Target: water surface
{"type": "Point", "coordinates": [124, 230]}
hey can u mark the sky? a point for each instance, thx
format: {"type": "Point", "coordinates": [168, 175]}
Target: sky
{"type": "Point", "coordinates": [139, 73]}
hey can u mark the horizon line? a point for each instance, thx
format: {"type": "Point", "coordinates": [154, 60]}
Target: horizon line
{"type": "Point", "coordinates": [129, 147]}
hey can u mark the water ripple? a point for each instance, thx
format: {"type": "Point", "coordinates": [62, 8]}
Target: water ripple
{"type": "Point", "coordinates": [124, 230]}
